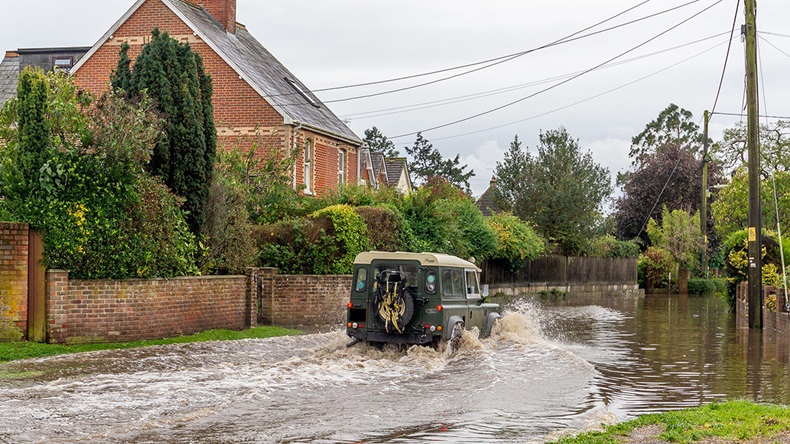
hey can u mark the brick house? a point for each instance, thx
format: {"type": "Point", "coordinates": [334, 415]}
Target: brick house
{"type": "Point", "coordinates": [256, 99]}
{"type": "Point", "coordinates": [377, 171]}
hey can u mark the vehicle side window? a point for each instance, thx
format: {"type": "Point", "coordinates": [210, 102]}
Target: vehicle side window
{"type": "Point", "coordinates": [458, 282]}
{"type": "Point", "coordinates": [472, 285]}
{"type": "Point", "coordinates": [452, 282]}
{"type": "Point", "coordinates": [362, 279]}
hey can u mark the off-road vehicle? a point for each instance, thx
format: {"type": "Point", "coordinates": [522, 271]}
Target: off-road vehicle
{"type": "Point", "coordinates": [416, 298]}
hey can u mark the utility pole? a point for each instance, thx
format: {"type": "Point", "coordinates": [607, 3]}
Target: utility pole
{"type": "Point", "coordinates": [703, 212]}
{"type": "Point", "coordinates": [755, 231]}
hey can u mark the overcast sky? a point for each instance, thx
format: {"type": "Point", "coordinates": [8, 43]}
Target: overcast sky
{"type": "Point", "coordinates": [344, 42]}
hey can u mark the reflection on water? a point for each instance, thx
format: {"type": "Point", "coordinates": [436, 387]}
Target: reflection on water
{"type": "Point", "coordinates": [546, 368]}
{"type": "Point", "coordinates": [667, 352]}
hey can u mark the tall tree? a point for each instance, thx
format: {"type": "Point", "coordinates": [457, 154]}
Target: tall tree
{"type": "Point", "coordinates": [427, 162]}
{"type": "Point", "coordinates": [173, 76]}
{"type": "Point", "coordinates": [669, 178]}
{"type": "Point", "coordinates": [674, 127]}
{"type": "Point", "coordinates": [511, 175]}
{"type": "Point", "coordinates": [565, 190]}
{"type": "Point", "coordinates": [774, 147]}
{"type": "Point", "coordinates": [34, 126]}
{"type": "Point", "coordinates": [379, 143]}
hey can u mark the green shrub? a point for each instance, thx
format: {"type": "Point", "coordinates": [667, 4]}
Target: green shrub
{"type": "Point", "coordinates": [610, 246]}
{"type": "Point", "coordinates": [701, 286]}
{"type": "Point", "coordinates": [300, 246]}
{"type": "Point", "coordinates": [518, 242]}
{"type": "Point", "coordinates": [350, 234]}
{"type": "Point", "coordinates": [227, 231]}
{"type": "Point", "coordinates": [101, 215]}
{"type": "Point", "coordinates": [387, 228]}
{"type": "Point", "coordinates": [656, 264]}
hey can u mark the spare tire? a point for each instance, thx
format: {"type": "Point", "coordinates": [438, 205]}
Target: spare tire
{"type": "Point", "coordinates": [396, 311]}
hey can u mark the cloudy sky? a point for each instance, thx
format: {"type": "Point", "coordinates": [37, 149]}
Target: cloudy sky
{"type": "Point", "coordinates": [671, 57]}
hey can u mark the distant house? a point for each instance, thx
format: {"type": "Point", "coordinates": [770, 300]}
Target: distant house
{"type": "Point", "coordinates": [46, 58]}
{"type": "Point", "coordinates": [256, 99]}
{"type": "Point", "coordinates": [485, 203]}
{"type": "Point", "coordinates": [377, 171]}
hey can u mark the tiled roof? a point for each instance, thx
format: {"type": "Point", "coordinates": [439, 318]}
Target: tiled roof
{"type": "Point", "coordinates": [256, 66]}
{"type": "Point", "coordinates": [485, 204]}
{"type": "Point", "coordinates": [378, 163]}
{"type": "Point", "coordinates": [395, 166]}
{"type": "Point", "coordinates": [9, 77]}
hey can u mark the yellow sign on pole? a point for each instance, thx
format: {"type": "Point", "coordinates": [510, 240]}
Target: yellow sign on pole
{"type": "Point", "coordinates": [752, 234]}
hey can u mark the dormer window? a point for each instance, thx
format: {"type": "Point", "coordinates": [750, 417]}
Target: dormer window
{"type": "Point", "coordinates": [64, 63]}
{"type": "Point", "coordinates": [302, 92]}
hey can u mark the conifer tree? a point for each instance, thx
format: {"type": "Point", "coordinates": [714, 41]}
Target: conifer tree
{"type": "Point", "coordinates": [171, 74]}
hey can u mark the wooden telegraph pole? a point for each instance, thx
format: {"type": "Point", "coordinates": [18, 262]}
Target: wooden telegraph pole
{"type": "Point", "coordinates": [755, 215]}
{"type": "Point", "coordinates": [703, 212]}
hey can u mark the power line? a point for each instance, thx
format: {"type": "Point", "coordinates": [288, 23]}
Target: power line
{"type": "Point", "coordinates": [773, 33]}
{"type": "Point", "coordinates": [655, 204]}
{"type": "Point", "coordinates": [727, 56]}
{"type": "Point", "coordinates": [775, 47]}
{"type": "Point", "coordinates": [503, 59]}
{"type": "Point", "coordinates": [580, 101]}
{"type": "Point", "coordinates": [468, 65]}
{"type": "Point", "coordinates": [564, 81]}
{"type": "Point", "coordinates": [761, 115]}
{"type": "Point", "coordinates": [496, 61]}
{"type": "Point", "coordinates": [467, 97]}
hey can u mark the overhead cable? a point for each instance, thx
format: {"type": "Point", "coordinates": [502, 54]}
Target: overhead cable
{"type": "Point", "coordinates": [634, 48]}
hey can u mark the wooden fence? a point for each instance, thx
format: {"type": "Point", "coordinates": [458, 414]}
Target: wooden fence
{"type": "Point", "coordinates": [563, 270]}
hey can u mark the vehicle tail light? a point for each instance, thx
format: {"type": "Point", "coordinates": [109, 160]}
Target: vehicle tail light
{"type": "Point", "coordinates": [439, 308]}
{"type": "Point", "coordinates": [439, 328]}
{"type": "Point", "coordinates": [350, 304]}
{"type": "Point", "coordinates": [361, 325]}
{"type": "Point", "coordinates": [349, 325]}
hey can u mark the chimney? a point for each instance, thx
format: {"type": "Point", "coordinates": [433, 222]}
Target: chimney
{"type": "Point", "coordinates": [493, 182]}
{"type": "Point", "coordinates": [222, 10]}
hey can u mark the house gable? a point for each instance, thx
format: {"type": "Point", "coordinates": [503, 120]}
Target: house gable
{"type": "Point", "coordinates": [253, 92]}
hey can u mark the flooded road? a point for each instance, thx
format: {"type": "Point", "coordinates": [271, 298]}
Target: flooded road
{"type": "Point", "coordinates": [546, 369]}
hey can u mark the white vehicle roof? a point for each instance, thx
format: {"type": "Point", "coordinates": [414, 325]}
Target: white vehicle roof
{"type": "Point", "coordinates": [431, 259]}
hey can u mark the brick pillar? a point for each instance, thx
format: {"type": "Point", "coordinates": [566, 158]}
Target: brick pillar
{"type": "Point", "coordinates": [58, 306]}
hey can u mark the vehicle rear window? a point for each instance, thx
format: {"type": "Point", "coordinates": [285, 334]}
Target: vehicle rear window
{"type": "Point", "coordinates": [408, 270]}
{"type": "Point", "coordinates": [362, 279]}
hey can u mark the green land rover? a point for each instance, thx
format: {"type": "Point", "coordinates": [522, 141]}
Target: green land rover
{"type": "Point", "coordinates": [416, 298]}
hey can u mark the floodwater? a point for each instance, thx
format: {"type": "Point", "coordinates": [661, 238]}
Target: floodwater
{"type": "Point", "coordinates": [548, 369]}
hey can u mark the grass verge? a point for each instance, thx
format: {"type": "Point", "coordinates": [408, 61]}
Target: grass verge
{"type": "Point", "coordinates": [740, 421]}
{"type": "Point", "coordinates": [12, 351]}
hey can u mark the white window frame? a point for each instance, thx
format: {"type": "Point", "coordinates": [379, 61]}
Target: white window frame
{"type": "Point", "coordinates": [308, 167]}
{"type": "Point", "coordinates": [341, 166]}
{"type": "Point", "coordinates": [472, 289]}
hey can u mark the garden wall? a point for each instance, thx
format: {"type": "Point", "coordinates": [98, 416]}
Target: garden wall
{"type": "Point", "coordinates": [775, 317]}
{"type": "Point", "coordinates": [80, 311]}
{"type": "Point", "coordinates": [14, 239]}
{"type": "Point", "coordinates": [134, 309]}
{"type": "Point", "coordinates": [303, 300]}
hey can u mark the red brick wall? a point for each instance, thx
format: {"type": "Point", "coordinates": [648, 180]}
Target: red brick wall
{"type": "Point", "coordinates": [305, 300]}
{"type": "Point", "coordinates": [134, 309]}
{"type": "Point", "coordinates": [13, 273]}
{"type": "Point", "coordinates": [241, 115]}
